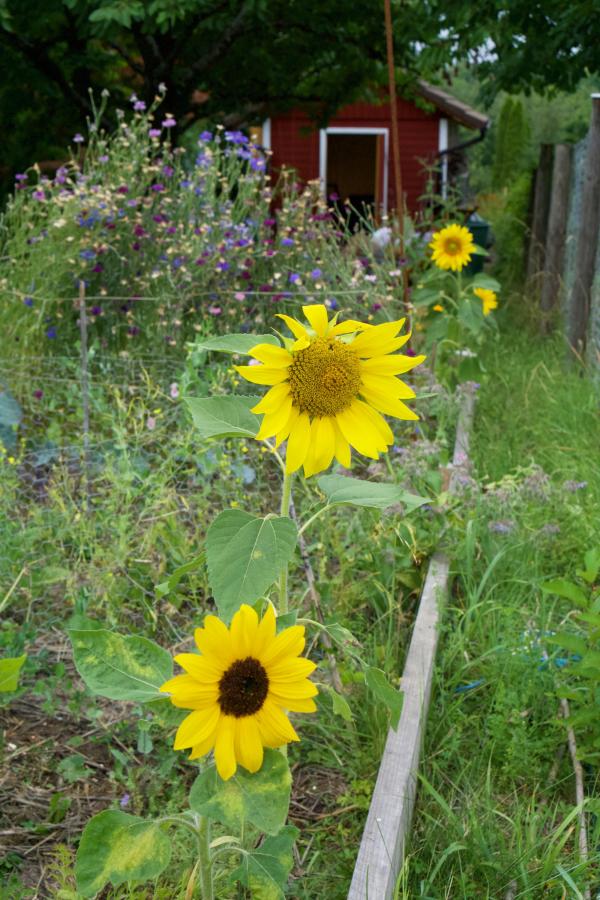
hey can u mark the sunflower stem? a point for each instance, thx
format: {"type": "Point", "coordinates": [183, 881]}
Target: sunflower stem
{"type": "Point", "coordinates": [204, 862]}
{"type": "Point", "coordinates": [286, 496]}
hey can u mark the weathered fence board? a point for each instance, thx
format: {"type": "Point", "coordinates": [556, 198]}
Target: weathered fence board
{"type": "Point", "coordinates": [541, 208]}
{"type": "Point", "coordinates": [557, 228]}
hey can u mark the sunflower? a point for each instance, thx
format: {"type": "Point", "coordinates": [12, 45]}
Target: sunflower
{"type": "Point", "coordinates": [238, 688]}
{"type": "Point", "coordinates": [329, 387]}
{"type": "Point", "coordinates": [452, 247]}
{"type": "Point", "coordinates": [488, 299]}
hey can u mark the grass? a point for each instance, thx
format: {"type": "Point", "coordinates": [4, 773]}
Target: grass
{"type": "Point", "coordinates": [496, 814]}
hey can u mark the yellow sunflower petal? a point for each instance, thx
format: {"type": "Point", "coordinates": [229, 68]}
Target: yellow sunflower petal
{"type": "Point", "coordinates": [359, 431]}
{"type": "Point", "coordinates": [342, 448]}
{"type": "Point", "coordinates": [306, 705]}
{"type": "Point", "coordinates": [289, 642]}
{"type": "Point", "coordinates": [244, 629]}
{"type": "Point", "coordinates": [296, 327]}
{"type": "Point", "coordinates": [389, 405]}
{"type": "Point", "coordinates": [275, 727]}
{"type": "Point", "coordinates": [370, 340]}
{"type": "Point", "coordinates": [347, 327]}
{"type": "Point", "coordinates": [247, 743]}
{"type": "Point", "coordinates": [270, 355]}
{"type": "Point", "coordinates": [284, 433]}
{"type": "Point", "coordinates": [204, 669]}
{"type": "Point", "coordinates": [389, 385]}
{"type": "Point", "coordinates": [265, 632]}
{"type": "Point", "coordinates": [390, 365]}
{"type": "Point", "coordinates": [196, 727]}
{"type": "Point", "coordinates": [298, 443]}
{"type": "Point", "coordinates": [380, 424]}
{"type": "Point", "coordinates": [213, 638]}
{"type": "Point", "coordinates": [310, 463]}
{"type": "Point", "coordinates": [275, 421]}
{"type": "Point", "coordinates": [204, 747]}
{"type": "Point", "coordinates": [317, 316]}
{"type": "Point", "coordinates": [290, 669]}
{"type": "Point", "coordinates": [323, 437]}
{"type": "Point", "coordinates": [262, 374]}
{"type": "Point", "coordinates": [225, 760]}
{"type": "Point", "coordinates": [272, 399]}
{"type": "Point", "coordinates": [295, 690]}
{"type": "Point", "coordinates": [188, 693]}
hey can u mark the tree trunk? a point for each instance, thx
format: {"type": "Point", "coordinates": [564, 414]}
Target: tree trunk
{"type": "Point", "coordinates": [587, 238]}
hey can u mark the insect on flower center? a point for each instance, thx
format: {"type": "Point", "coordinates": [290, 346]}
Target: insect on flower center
{"type": "Point", "coordinates": [243, 688]}
{"type": "Point", "coordinates": [324, 378]}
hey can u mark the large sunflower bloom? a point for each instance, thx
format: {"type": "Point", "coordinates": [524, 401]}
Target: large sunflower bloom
{"type": "Point", "coordinates": [452, 247]}
{"type": "Point", "coordinates": [329, 388]}
{"type": "Point", "coordinates": [488, 299]}
{"type": "Point", "coordinates": [238, 688]}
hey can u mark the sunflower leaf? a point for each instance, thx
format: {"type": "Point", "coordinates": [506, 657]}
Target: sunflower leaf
{"type": "Point", "coordinates": [265, 870]}
{"type": "Point", "coordinates": [227, 416]}
{"type": "Point", "coordinates": [342, 490]}
{"type": "Point", "coordinates": [232, 343]}
{"type": "Point", "coordinates": [245, 555]}
{"type": "Point", "coordinates": [120, 667]}
{"type": "Point", "coordinates": [261, 799]}
{"type": "Point", "coordinates": [117, 847]}
{"type": "Point", "coordinates": [9, 673]}
{"type": "Point", "coordinates": [377, 681]}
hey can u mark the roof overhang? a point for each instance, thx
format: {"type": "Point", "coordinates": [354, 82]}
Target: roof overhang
{"type": "Point", "coordinates": [453, 108]}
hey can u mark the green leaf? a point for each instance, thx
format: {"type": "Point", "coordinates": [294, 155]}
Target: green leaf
{"type": "Point", "coordinates": [262, 799]}
{"type": "Point", "coordinates": [567, 641]}
{"type": "Point", "coordinates": [486, 281]}
{"type": "Point", "coordinates": [592, 566]}
{"type": "Point", "coordinates": [233, 343]}
{"type": "Point", "coordinates": [341, 707]}
{"type": "Point", "coordinates": [470, 314]}
{"type": "Point", "coordinates": [228, 416]}
{"type": "Point", "coordinates": [119, 667]}
{"type": "Point", "coordinates": [265, 870]}
{"type": "Point", "coordinates": [245, 555]}
{"type": "Point", "coordinates": [567, 589]}
{"type": "Point", "coordinates": [341, 635]}
{"type": "Point", "coordinates": [175, 577]}
{"type": "Point", "coordinates": [117, 847]}
{"type": "Point", "coordinates": [9, 673]}
{"type": "Point", "coordinates": [339, 489]}
{"type": "Point", "coordinates": [378, 682]}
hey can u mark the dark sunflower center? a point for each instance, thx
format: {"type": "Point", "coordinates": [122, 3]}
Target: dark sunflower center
{"type": "Point", "coordinates": [452, 247]}
{"type": "Point", "coordinates": [243, 688]}
{"type": "Point", "coordinates": [324, 378]}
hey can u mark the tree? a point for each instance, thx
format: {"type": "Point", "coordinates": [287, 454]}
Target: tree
{"type": "Point", "coordinates": [512, 136]}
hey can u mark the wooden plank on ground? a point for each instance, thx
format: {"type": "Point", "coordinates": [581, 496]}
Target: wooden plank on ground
{"type": "Point", "coordinates": [382, 846]}
{"type": "Point", "coordinates": [388, 823]}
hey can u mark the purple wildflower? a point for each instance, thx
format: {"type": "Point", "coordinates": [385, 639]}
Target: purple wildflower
{"type": "Point", "coordinates": [169, 122]}
{"type": "Point", "coordinates": [316, 273]}
{"type": "Point", "coordinates": [28, 301]}
{"type": "Point", "coordinates": [154, 133]}
{"type": "Point", "coordinates": [78, 139]}
{"type": "Point", "coordinates": [139, 106]}
{"type": "Point", "coordinates": [206, 136]}
{"type": "Point", "coordinates": [51, 332]}
{"type": "Point", "coordinates": [287, 242]}
{"type": "Point", "coordinates": [294, 278]}
{"type": "Point", "coordinates": [38, 394]}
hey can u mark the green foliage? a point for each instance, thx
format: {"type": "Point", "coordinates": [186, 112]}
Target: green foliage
{"type": "Point", "coordinates": [509, 223]}
{"type": "Point", "coordinates": [9, 673]}
{"type": "Point", "coordinates": [261, 800]}
{"type": "Point", "coordinates": [265, 870]}
{"type": "Point", "coordinates": [245, 555]}
{"type": "Point", "coordinates": [511, 144]}
{"type": "Point", "coordinates": [116, 847]}
{"type": "Point", "coordinates": [227, 416]}
{"type": "Point", "coordinates": [353, 491]}
{"type": "Point", "coordinates": [121, 667]}
{"type": "Point", "coordinates": [377, 681]}
{"type": "Point", "coordinates": [231, 343]}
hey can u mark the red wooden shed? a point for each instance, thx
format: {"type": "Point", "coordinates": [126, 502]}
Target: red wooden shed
{"type": "Point", "coordinates": [352, 156]}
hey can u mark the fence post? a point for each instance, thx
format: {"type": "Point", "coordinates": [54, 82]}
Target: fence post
{"type": "Point", "coordinates": [587, 239]}
{"type": "Point", "coordinates": [557, 227]}
{"type": "Point", "coordinates": [85, 392]}
{"type": "Point", "coordinates": [539, 219]}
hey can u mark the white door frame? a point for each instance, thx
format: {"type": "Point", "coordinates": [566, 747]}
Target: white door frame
{"type": "Point", "coordinates": [443, 145]}
{"type": "Point", "coordinates": [354, 130]}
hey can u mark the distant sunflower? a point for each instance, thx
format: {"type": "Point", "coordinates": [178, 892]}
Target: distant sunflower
{"type": "Point", "coordinates": [488, 299]}
{"type": "Point", "coordinates": [452, 247]}
{"type": "Point", "coordinates": [238, 688]}
{"type": "Point", "coordinates": [329, 388]}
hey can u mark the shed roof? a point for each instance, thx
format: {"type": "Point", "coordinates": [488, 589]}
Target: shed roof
{"type": "Point", "coordinates": [456, 109]}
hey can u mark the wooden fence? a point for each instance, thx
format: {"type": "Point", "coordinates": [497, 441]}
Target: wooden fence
{"type": "Point", "coordinates": [563, 264]}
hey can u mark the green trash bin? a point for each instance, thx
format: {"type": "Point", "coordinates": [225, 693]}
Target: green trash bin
{"type": "Point", "coordinates": [481, 231]}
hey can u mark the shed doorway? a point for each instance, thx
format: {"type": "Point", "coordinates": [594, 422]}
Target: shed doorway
{"type": "Point", "coordinates": [354, 168]}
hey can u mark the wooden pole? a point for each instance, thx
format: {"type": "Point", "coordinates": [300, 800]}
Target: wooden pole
{"type": "Point", "coordinates": [539, 220]}
{"type": "Point", "coordinates": [85, 392]}
{"type": "Point", "coordinates": [557, 228]}
{"type": "Point", "coordinates": [389, 37]}
{"type": "Point", "coordinates": [587, 238]}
